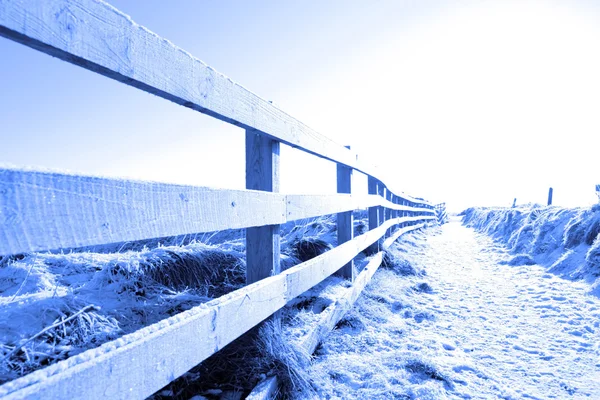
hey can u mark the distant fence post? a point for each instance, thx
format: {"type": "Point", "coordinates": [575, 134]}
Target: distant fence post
{"type": "Point", "coordinates": [345, 220]}
{"type": "Point", "coordinates": [550, 196]}
{"type": "Point", "coordinates": [381, 192]}
{"type": "Point", "coordinates": [403, 213]}
{"type": "Point", "coordinates": [388, 211]}
{"type": "Point", "coordinates": [262, 173]}
{"type": "Point", "coordinates": [373, 213]}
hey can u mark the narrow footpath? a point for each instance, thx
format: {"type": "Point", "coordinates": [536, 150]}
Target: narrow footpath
{"type": "Point", "coordinates": [465, 326]}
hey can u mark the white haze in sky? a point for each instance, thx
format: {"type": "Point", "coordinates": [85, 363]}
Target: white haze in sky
{"type": "Point", "coordinates": [483, 104]}
{"type": "Point", "coordinates": [471, 102]}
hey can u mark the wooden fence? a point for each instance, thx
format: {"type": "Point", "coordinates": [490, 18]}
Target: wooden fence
{"type": "Point", "coordinates": [46, 211]}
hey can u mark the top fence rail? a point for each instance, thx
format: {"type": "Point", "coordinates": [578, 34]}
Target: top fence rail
{"type": "Point", "coordinates": [96, 36]}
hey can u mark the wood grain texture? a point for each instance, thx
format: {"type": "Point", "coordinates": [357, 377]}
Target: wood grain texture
{"type": "Point", "coordinates": [138, 364]}
{"type": "Point", "coordinates": [307, 206]}
{"type": "Point", "coordinates": [300, 206]}
{"type": "Point", "coordinates": [336, 310]}
{"type": "Point", "coordinates": [266, 390]}
{"type": "Point", "coordinates": [163, 351]}
{"type": "Point", "coordinates": [262, 173]}
{"type": "Point", "coordinates": [96, 36]}
{"type": "Point", "coordinates": [43, 211]}
{"type": "Point", "coordinates": [333, 314]}
{"type": "Point", "coordinates": [381, 193]}
{"type": "Point", "coordinates": [301, 276]}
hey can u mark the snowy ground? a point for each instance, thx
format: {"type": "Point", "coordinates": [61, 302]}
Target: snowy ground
{"type": "Point", "coordinates": [470, 327]}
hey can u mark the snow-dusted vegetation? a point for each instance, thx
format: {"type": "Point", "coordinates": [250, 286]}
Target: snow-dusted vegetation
{"type": "Point", "coordinates": [453, 320]}
{"type": "Point", "coordinates": [565, 241]}
{"type": "Point", "coordinates": [449, 314]}
{"type": "Point", "coordinates": [56, 305]}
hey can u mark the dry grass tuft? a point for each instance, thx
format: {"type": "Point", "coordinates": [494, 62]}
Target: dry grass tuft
{"type": "Point", "coordinates": [592, 231]}
{"type": "Point", "coordinates": [398, 265]}
{"type": "Point", "coordinates": [306, 249]}
{"type": "Point", "coordinates": [263, 351]}
{"type": "Point", "coordinates": [215, 271]}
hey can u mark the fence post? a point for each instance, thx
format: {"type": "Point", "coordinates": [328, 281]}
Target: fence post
{"type": "Point", "coordinates": [373, 213]}
{"type": "Point", "coordinates": [550, 196]}
{"type": "Point", "coordinates": [345, 220]}
{"type": "Point", "coordinates": [381, 192]}
{"type": "Point", "coordinates": [388, 211]}
{"type": "Point", "coordinates": [262, 173]}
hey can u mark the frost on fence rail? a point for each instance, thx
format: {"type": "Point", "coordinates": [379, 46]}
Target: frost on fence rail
{"type": "Point", "coordinates": [96, 36]}
{"type": "Point", "coordinates": [46, 211]}
{"type": "Point", "coordinates": [163, 351]}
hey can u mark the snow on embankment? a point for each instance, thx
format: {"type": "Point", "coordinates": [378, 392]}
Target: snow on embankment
{"type": "Point", "coordinates": [565, 241]}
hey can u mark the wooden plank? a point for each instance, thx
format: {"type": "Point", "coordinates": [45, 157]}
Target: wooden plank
{"type": "Point", "coordinates": [381, 192]}
{"type": "Point", "coordinates": [138, 364]}
{"type": "Point", "coordinates": [372, 185]}
{"type": "Point", "coordinates": [336, 311]}
{"type": "Point", "coordinates": [44, 211]}
{"type": "Point", "coordinates": [266, 390]}
{"type": "Point", "coordinates": [98, 37]}
{"type": "Point", "coordinates": [307, 206]}
{"type": "Point", "coordinates": [345, 220]}
{"type": "Point", "coordinates": [330, 316]}
{"type": "Point", "coordinates": [262, 173]}
{"type": "Point", "coordinates": [388, 210]}
{"type": "Point", "coordinates": [389, 241]}
{"type": "Point", "coordinates": [300, 277]}
{"type": "Point", "coordinates": [381, 214]}
{"type": "Point", "coordinates": [300, 206]}
{"type": "Point", "coordinates": [163, 351]}
{"type": "Point", "coordinates": [403, 212]}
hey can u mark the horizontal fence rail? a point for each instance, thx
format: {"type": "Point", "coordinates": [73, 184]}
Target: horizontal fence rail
{"type": "Point", "coordinates": [332, 315]}
{"type": "Point", "coordinates": [42, 211]}
{"type": "Point", "coordinates": [160, 352]}
{"type": "Point", "coordinates": [96, 36]}
{"type": "Point", "coordinates": [46, 211]}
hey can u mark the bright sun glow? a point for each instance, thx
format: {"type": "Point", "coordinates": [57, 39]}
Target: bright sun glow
{"type": "Point", "coordinates": [473, 104]}
{"type": "Point", "coordinates": [498, 100]}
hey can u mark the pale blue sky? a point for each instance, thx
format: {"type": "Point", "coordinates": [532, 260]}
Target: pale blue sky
{"type": "Point", "coordinates": [469, 102]}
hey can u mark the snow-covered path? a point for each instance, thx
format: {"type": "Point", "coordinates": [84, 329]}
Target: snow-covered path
{"type": "Point", "coordinates": [523, 330]}
{"type": "Point", "coordinates": [485, 330]}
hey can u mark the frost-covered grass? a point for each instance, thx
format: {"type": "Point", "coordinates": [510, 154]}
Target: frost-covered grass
{"type": "Point", "coordinates": [127, 290]}
{"type": "Point", "coordinates": [58, 305]}
{"type": "Point", "coordinates": [362, 357]}
{"type": "Point", "coordinates": [465, 326]}
{"type": "Point", "coordinates": [566, 241]}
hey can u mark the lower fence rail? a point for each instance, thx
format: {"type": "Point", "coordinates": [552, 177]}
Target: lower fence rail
{"type": "Point", "coordinates": [138, 364]}
{"type": "Point", "coordinates": [267, 389]}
